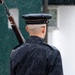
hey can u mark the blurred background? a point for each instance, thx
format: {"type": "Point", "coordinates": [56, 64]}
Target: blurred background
{"type": "Point", "coordinates": [60, 30]}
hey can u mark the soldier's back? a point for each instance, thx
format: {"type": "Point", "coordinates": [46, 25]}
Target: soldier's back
{"type": "Point", "coordinates": [34, 58]}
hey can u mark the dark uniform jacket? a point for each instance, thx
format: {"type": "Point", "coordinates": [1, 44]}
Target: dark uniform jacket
{"type": "Point", "coordinates": [35, 58]}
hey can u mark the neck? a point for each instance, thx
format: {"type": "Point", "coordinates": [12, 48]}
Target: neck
{"type": "Point", "coordinates": [41, 36]}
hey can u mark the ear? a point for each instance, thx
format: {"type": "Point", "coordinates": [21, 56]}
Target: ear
{"type": "Point", "coordinates": [43, 29]}
{"type": "Point", "coordinates": [27, 28]}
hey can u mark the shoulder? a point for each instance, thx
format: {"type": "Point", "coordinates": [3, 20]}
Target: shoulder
{"type": "Point", "coordinates": [52, 54]}
{"type": "Point", "coordinates": [19, 50]}
{"type": "Point", "coordinates": [51, 50]}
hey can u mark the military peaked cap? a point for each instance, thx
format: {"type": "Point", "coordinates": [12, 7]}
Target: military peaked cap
{"type": "Point", "coordinates": [39, 18]}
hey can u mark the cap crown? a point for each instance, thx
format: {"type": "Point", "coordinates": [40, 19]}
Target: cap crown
{"type": "Point", "coordinates": [39, 18]}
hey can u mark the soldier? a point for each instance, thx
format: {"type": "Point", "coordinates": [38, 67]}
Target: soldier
{"type": "Point", "coordinates": [35, 57]}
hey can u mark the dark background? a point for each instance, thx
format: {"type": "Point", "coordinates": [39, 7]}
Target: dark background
{"type": "Point", "coordinates": [61, 2]}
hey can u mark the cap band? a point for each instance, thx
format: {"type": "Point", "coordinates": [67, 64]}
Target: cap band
{"type": "Point", "coordinates": [36, 22]}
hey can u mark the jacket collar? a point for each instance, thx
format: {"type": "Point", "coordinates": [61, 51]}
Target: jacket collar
{"type": "Point", "coordinates": [35, 39]}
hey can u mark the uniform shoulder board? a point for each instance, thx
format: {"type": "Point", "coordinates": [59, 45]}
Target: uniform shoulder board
{"type": "Point", "coordinates": [52, 47]}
